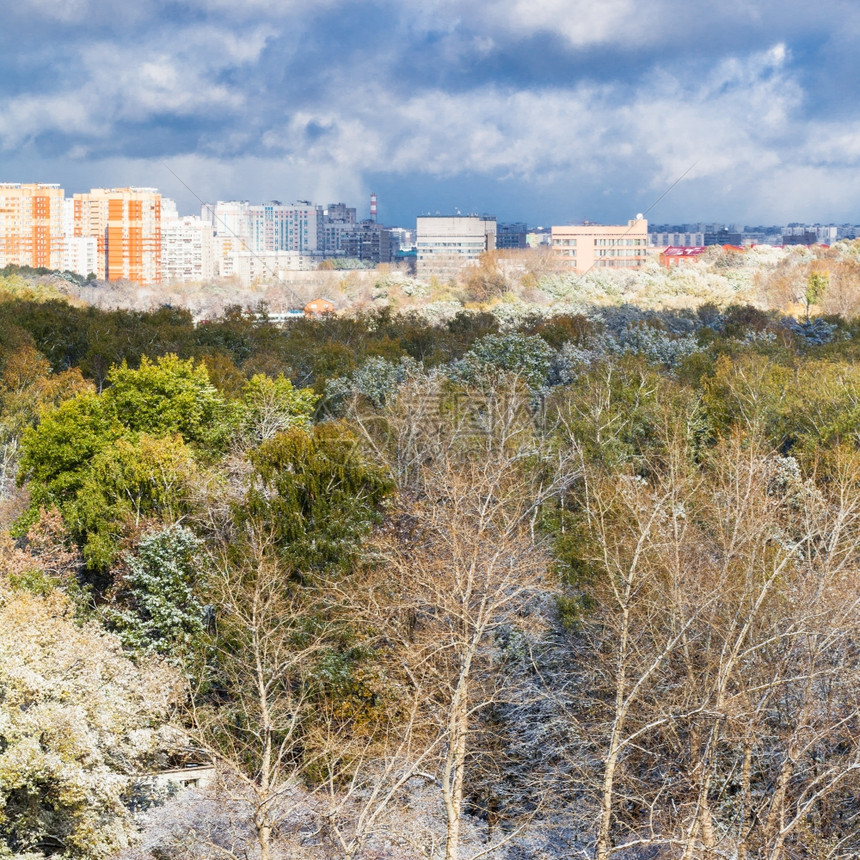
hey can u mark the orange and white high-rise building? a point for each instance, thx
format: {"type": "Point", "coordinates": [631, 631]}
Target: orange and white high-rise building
{"type": "Point", "coordinates": [31, 225]}
{"type": "Point", "coordinates": [126, 223]}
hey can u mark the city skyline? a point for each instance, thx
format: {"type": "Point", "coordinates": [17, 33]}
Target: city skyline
{"type": "Point", "coordinates": [549, 111]}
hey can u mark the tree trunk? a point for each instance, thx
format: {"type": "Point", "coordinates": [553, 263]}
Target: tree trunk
{"type": "Point", "coordinates": [746, 779]}
{"type": "Point", "coordinates": [452, 781]}
{"type": "Point", "coordinates": [603, 845]}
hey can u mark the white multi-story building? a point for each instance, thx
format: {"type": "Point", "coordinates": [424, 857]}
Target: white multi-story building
{"type": "Point", "coordinates": [230, 219]}
{"type": "Point", "coordinates": [169, 212]}
{"type": "Point", "coordinates": [446, 244]}
{"type": "Point", "coordinates": [676, 240]}
{"type": "Point", "coordinates": [295, 227]}
{"type": "Point", "coordinates": [81, 255]}
{"type": "Point", "coordinates": [250, 266]}
{"type": "Point", "coordinates": [825, 235]}
{"type": "Point", "coordinates": [187, 249]}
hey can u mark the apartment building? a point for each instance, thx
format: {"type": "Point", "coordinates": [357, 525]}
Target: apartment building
{"type": "Point", "coordinates": [588, 246]}
{"type": "Point", "coordinates": [366, 241]}
{"type": "Point", "coordinates": [809, 234]}
{"type": "Point", "coordinates": [187, 249]}
{"type": "Point", "coordinates": [126, 223]}
{"type": "Point", "coordinates": [31, 224]}
{"type": "Point", "coordinates": [678, 239]}
{"type": "Point", "coordinates": [250, 266]}
{"type": "Point", "coordinates": [296, 227]}
{"type": "Point", "coordinates": [80, 255]}
{"type": "Point", "coordinates": [445, 244]}
{"type": "Point", "coordinates": [338, 220]}
{"type": "Point", "coordinates": [230, 219]}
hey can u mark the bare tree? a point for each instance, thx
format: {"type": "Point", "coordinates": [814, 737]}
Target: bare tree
{"type": "Point", "coordinates": [724, 608]}
{"type": "Point", "coordinates": [252, 717]}
{"type": "Point", "coordinates": [462, 562]}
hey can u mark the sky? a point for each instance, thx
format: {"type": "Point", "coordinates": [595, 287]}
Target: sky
{"type": "Point", "coordinates": [544, 111]}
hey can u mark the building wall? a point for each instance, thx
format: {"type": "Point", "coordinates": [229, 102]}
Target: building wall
{"type": "Point", "coordinates": [580, 248]}
{"type": "Point", "coordinates": [31, 225]}
{"type": "Point", "coordinates": [231, 220]}
{"type": "Point", "coordinates": [676, 240]}
{"type": "Point", "coordinates": [278, 227]}
{"type": "Point", "coordinates": [249, 266]}
{"type": "Point", "coordinates": [367, 242]}
{"type": "Point", "coordinates": [317, 307]}
{"type": "Point", "coordinates": [80, 255]}
{"type": "Point", "coordinates": [446, 244]}
{"type": "Point", "coordinates": [512, 236]}
{"type": "Point", "coordinates": [126, 223]}
{"type": "Point", "coordinates": [187, 250]}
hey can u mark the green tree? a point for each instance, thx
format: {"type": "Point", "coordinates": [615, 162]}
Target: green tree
{"type": "Point", "coordinates": [816, 286]}
{"type": "Point", "coordinates": [317, 493]}
{"type": "Point", "coordinates": [57, 455]}
{"type": "Point", "coordinates": [167, 396]}
{"type": "Point", "coordinates": [529, 356]}
{"type": "Point", "coordinates": [270, 406]}
{"type": "Point", "coordinates": [129, 483]}
{"type": "Point", "coordinates": [158, 611]}
{"type": "Point", "coordinates": [108, 461]}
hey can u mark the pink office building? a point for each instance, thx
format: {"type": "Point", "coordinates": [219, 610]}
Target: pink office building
{"type": "Point", "coordinates": [588, 246]}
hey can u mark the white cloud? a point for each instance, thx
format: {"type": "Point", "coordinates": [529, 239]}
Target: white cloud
{"type": "Point", "coordinates": [136, 82]}
{"type": "Point", "coordinates": [742, 111]}
{"type": "Point", "coordinates": [741, 120]}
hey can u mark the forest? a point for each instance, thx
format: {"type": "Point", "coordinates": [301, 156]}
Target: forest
{"type": "Point", "coordinates": [577, 585]}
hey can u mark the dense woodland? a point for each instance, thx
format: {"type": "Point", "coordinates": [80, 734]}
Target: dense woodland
{"type": "Point", "coordinates": [583, 586]}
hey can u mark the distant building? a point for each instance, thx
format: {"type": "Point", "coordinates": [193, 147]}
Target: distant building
{"type": "Point", "coordinates": [340, 212]}
{"type": "Point", "coordinates": [401, 239]}
{"type": "Point", "coordinates": [230, 219]}
{"type": "Point", "coordinates": [583, 247]}
{"type": "Point", "coordinates": [368, 241]}
{"type": "Point", "coordinates": [126, 224]}
{"type": "Point", "coordinates": [250, 266]}
{"type": "Point", "coordinates": [672, 256]}
{"type": "Point", "coordinates": [81, 255]}
{"type": "Point", "coordinates": [677, 239]}
{"type": "Point", "coordinates": [296, 227]}
{"type": "Point", "coordinates": [169, 212]}
{"type": "Point", "coordinates": [512, 236]}
{"type": "Point", "coordinates": [187, 249]}
{"type": "Point", "coordinates": [723, 237]}
{"type": "Point", "coordinates": [540, 238]}
{"type": "Point", "coordinates": [338, 221]}
{"type": "Point", "coordinates": [809, 234]}
{"type": "Point", "coordinates": [805, 238]}
{"type": "Point", "coordinates": [31, 225]}
{"type": "Point", "coordinates": [318, 307]}
{"type": "Point", "coordinates": [445, 244]}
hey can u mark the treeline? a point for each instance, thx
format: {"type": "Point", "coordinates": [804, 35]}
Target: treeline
{"type": "Point", "coordinates": [587, 587]}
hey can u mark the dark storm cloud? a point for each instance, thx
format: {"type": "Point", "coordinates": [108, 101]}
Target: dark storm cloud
{"type": "Point", "coordinates": [536, 109]}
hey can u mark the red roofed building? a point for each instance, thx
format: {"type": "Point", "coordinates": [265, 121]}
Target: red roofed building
{"type": "Point", "coordinates": [674, 255]}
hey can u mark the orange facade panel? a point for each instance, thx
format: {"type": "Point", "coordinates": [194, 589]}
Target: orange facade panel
{"type": "Point", "coordinates": [126, 224]}
{"type": "Point", "coordinates": [32, 224]}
